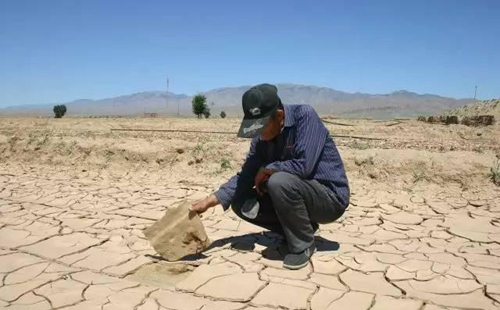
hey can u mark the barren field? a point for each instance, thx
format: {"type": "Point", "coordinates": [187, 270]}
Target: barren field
{"type": "Point", "coordinates": [422, 230]}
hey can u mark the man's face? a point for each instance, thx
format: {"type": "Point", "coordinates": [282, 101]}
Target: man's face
{"type": "Point", "coordinates": [273, 126]}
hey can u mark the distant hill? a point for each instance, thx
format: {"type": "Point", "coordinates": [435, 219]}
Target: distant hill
{"type": "Point", "coordinates": [325, 100]}
{"type": "Point", "coordinates": [487, 107]}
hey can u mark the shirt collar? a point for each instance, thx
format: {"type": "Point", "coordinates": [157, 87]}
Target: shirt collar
{"type": "Point", "coordinates": [289, 119]}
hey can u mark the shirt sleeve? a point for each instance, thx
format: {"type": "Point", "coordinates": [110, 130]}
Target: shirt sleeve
{"type": "Point", "coordinates": [309, 143]}
{"type": "Point", "coordinates": [245, 178]}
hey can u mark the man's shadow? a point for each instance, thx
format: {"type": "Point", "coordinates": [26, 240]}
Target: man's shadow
{"type": "Point", "coordinates": [247, 243]}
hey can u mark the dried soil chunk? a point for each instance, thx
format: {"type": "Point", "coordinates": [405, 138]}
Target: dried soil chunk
{"type": "Point", "coordinates": [178, 233]}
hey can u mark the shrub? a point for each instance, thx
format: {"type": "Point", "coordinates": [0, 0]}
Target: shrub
{"type": "Point", "coordinates": [199, 105]}
{"type": "Point", "coordinates": [223, 114]}
{"type": "Point", "coordinates": [418, 175]}
{"type": "Point", "coordinates": [59, 110]}
{"type": "Point", "coordinates": [225, 163]}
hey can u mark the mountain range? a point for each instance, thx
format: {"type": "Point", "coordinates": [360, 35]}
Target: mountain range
{"type": "Point", "coordinates": [325, 100]}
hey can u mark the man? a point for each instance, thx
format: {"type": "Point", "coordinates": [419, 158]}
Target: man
{"type": "Point", "coordinates": [293, 178]}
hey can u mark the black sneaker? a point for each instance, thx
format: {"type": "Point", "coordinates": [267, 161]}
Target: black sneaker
{"type": "Point", "coordinates": [299, 260]}
{"type": "Point", "coordinates": [283, 245]}
{"type": "Point", "coordinates": [283, 248]}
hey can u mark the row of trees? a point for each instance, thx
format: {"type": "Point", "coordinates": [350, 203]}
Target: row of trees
{"type": "Point", "coordinates": [200, 108]}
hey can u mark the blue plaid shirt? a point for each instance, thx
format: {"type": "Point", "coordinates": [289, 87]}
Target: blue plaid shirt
{"type": "Point", "coordinates": [304, 148]}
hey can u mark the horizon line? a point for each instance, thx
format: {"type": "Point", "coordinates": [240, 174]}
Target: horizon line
{"type": "Point", "coordinates": [229, 87]}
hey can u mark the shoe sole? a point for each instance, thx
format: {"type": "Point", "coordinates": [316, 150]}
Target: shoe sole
{"type": "Point", "coordinates": [297, 267]}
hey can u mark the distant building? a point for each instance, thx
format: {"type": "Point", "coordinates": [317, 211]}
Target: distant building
{"type": "Point", "coordinates": [150, 114]}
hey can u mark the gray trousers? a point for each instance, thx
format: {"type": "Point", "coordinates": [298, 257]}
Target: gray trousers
{"type": "Point", "coordinates": [292, 207]}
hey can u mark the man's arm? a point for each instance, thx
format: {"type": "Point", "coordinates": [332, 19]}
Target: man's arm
{"type": "Point", "coordinates": [309, 142]}
{"type": "Point", "coordinates": [242, 180]}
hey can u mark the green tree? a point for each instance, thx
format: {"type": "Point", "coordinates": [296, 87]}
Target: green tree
{"type": "Point", "coordinates": [199, 105]}
{"type": "Point", "coordinates": [60, 110]}
{"type": "Point", "coordinates": [223, 114]}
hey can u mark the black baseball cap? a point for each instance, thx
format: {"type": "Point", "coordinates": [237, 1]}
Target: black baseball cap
{"type": "Point", "coordinates": [259, 103]}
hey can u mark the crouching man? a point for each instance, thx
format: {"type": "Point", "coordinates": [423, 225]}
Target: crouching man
{"type": "Point", "coordinates": [293, 178]}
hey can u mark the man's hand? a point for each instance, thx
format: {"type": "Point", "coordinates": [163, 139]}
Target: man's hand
{"type": "Point", "coordinates": [263, 175]}
{"type": "Point", "coordinates": [205, 204]}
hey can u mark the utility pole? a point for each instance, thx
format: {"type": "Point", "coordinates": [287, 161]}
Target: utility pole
{"type": "Point", "coordinates": [475, 93]}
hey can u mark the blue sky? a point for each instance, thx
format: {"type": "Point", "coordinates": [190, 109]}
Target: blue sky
{"type": "Point", "coordinates": [61, 50]}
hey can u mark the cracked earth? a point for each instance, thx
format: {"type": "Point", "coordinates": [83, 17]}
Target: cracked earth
{"type": "Point", "coordinates": [72, 238]}
{"type": "Point", "coordinates": [77, 243]}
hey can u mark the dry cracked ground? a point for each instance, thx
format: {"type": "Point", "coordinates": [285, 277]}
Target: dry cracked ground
{"type": "Point", "coordinates": [75, 241]}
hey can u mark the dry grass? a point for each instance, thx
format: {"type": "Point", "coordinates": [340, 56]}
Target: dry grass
{"type": "Point", "coordinates": [411, 154]}
{"type": "Point", "coordinates": [494, 173]}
